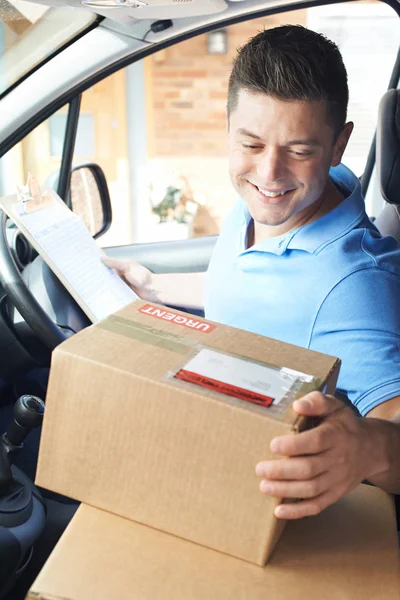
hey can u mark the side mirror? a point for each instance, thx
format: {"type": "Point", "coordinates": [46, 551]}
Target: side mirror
{"type": "Point", "coordinates": [89, 198]}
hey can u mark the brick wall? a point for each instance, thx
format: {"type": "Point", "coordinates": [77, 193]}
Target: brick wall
{"type": "Point", "coordinates": [189, 90]}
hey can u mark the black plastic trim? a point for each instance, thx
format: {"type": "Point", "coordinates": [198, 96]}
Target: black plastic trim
{"type": "Point", "coordinates": [51, 108]}
{"type": "Point", "coordinates": [68, 147]}
{"type": "Point", "coordinates": [10, 559]}
{"type": "Point", "coordinates": [371, 159]}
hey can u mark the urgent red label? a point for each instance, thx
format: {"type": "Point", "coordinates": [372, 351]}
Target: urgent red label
{"type": "Point", "coordinates": [167, 315]}
{"type": "Point", "coordinates": [224, 388]}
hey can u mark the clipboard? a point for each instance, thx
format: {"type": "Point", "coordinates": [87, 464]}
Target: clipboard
{"type": "Point", "coordinates": [62, 240]}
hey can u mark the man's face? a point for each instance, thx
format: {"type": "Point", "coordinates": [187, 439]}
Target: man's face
{"type": "Point", "coordinates": [279, 158]}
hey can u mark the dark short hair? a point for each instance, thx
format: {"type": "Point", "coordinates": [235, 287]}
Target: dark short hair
{"type": "Point", "coordinates": [292, 63]}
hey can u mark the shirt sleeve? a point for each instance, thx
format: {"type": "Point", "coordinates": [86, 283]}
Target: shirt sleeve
{"type": "Point", "coordinates": [359, 322]}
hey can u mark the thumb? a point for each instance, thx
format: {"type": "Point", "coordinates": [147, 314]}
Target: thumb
{"type": "Point", "coordinates": [316, 404]}
{"type": "Point", "coordinates": [121, 266]}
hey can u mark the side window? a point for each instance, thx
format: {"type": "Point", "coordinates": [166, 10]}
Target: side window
{"type": "Point", "coordinates": [368, 36]}
{"type": "Point", "coordinates": [163, 137]}
{"type": "Point", "coordinates": [39, 153]}
{"type": "Point", "coordinates": [158, 127]}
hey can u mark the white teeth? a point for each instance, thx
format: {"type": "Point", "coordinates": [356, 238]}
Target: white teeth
{"type": "Point", "coordinates": [271, 194]}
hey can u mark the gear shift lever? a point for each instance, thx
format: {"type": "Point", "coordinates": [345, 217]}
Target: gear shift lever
{"type": "Point", "coordinates": [28, 414]}
{"type": "Point", "coordinates": [22, 508]}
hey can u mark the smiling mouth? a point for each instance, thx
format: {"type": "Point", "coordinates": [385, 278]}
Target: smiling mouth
{"type": "Point", "coordinates": [272, 195]}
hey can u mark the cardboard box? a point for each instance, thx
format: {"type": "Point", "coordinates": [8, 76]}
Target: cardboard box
{"type": "Point", "coordinates": [160, 417]}
{"type": "Point", "coordinates": [349, 552]}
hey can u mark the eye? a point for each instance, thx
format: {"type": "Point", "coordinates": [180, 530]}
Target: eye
{"type": "Point", "coordinates": [250, 146]}
{"type": "Point", "coordinates": [303, 154]}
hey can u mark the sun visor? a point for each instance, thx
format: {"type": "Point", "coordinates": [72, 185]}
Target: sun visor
{"type": "Point", "coordinates": [146, 9]}
{"type": "Point", "coordinates": [165, 9]}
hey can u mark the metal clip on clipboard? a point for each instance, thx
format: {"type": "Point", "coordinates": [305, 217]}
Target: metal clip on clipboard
{"type": "Point", "coordinates": [31, 196]}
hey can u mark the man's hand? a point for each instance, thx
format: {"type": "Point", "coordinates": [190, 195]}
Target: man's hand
{"type": "Point", "coordinates": [320, 465]}
{"type": "Point", "coordinates": [171, 289]}
{"type": "Point", "coordinates": [135, 275]}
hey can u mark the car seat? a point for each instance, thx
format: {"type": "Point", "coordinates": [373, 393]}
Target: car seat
{"type": "Point", "coordinates": [388, 163]}
{"type": "Point", "coordinates": [388, 172]}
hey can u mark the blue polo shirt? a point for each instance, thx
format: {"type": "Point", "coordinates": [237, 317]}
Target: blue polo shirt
{"type": "Point", "coordinates": [332, 285]}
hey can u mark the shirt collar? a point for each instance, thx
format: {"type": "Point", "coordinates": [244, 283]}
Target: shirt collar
{"type": "Point", "coordinates": [318, 233]}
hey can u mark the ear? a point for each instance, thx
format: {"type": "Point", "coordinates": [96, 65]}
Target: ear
{"type": "Point", "coordinates": [341, 143]}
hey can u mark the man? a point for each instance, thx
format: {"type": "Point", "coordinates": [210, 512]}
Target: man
{"type": "Point", "coordinates": [299, 260]}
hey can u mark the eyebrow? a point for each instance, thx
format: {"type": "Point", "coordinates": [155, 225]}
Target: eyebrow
{"type": "Point", "coordinates": [306, 142]}
{"type": "Point", "coordinates": [242, 131]}
{"type": "Point", "coordinates": [310, 142]}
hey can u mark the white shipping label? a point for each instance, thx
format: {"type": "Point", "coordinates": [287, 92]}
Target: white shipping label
{"type": "Point", "coordinates": [243, 379]}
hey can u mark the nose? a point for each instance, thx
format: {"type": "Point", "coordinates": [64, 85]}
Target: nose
{"type": "Point", "coordinates": [270, 167]}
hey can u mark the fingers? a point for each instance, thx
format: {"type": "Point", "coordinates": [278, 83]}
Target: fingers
{"type": "Point", "coordinates": [306, 508]}
{"type": "Point", "coordinates": [313, 441]}
{"type": "Point", "coordinates": [319, 465]}
{"type": "Point", "coordinates": [122, 267]}
{"type": "Point", "coordinates": [115, 263]}
{"type": "Point", "coordinates": [316, 404]}
{"type": "Point", "coordinates": [299, 468]}
{"type": "Point", "coordinates": [310, 488]}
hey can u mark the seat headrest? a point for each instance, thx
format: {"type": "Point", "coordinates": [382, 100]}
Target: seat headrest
{"type": "Point", "coordinates": [388, 146]}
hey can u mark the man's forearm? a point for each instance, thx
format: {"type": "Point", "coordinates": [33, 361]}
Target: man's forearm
{"type": "Point", "coordinates": [383, 456]}
{"type": "Point", "coordinates": [179, 289]}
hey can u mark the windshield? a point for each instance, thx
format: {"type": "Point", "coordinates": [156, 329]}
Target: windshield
{"type": "Point", "coordinates": [30, 32]}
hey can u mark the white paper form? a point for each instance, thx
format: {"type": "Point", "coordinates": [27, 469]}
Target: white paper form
{"type": "Point", "coordinates": [64, 242]}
